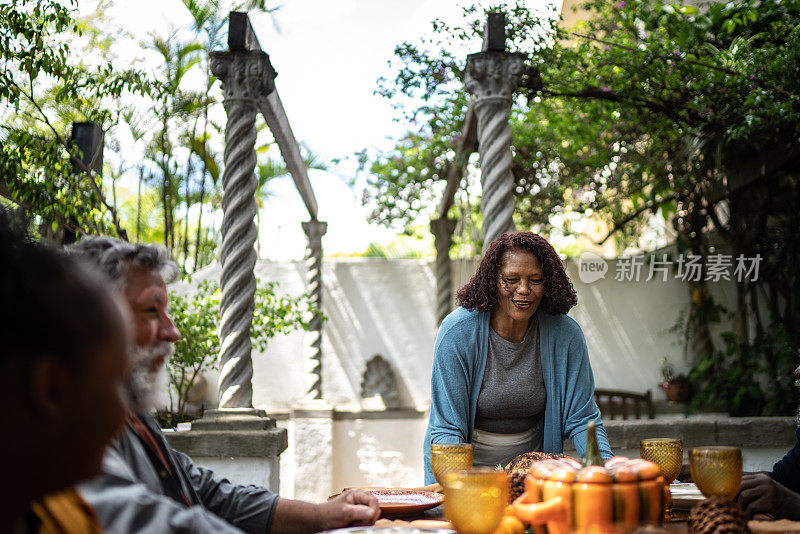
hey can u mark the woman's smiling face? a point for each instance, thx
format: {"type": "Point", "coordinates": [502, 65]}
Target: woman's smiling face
{"type": "Point", "coordinates": [520, 286]}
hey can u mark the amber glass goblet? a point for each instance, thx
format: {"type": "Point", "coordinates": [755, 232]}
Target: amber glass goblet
{"type": "Point", "coordinates": [446, 457]}
{"type": "Point", "coordinates": [474, 500]}
{"type": "Point", "coordinates": [717, 471]}
{"type": "Point", "coordinates": [667, 453]}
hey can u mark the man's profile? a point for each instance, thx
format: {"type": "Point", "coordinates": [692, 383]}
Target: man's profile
{"type": "Point", "coordinates": [146, 486]}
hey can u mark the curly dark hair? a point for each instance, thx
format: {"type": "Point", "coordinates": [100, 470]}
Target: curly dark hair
{"type": "Point", "coordinates": [480, 293]}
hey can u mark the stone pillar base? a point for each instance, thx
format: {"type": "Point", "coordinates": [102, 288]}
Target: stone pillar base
{"type": "Point", "coordinates": [240, 444]}
{"type": "Point", "coordinates": [313, 450]}
{"type": "Point", "coordinates": [234, 419]}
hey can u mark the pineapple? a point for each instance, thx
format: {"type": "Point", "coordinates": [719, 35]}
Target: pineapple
{"type": "Point", "coordinates": [517, 470]}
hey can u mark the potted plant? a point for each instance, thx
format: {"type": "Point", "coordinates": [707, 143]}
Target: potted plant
{"type": "Point", "coordinates": [676, 386]}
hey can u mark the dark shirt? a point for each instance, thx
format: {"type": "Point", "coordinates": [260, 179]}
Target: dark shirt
{"type": "Point", "coordinates": [787, 471]}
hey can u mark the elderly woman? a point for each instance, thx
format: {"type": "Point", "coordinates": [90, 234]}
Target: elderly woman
{"type": "Point", "coordinates": [511, 370]}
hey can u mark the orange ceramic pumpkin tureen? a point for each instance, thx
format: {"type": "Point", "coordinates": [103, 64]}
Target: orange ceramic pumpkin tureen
{"type": "Point", "coordinates": [617, 496]}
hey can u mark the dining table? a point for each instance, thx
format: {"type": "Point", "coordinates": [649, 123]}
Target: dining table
{"type": "Point", "coordinates": [684, 497]}
{"type": "Point", "coordinates": [434, 517]}
{"type": "Point", "coordinates": [426, 519]}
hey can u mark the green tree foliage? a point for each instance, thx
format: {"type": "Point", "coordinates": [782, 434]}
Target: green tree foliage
{"type": "Point", "coordinates": [208, 25]}
{"type": "Point", "coordinates": [45, 84]}
{"type": "Point", "coordinates": [644, 109]}
{"type": "Point", "coordinates": [417, 244]}
{"type": "Point", "coordinates": [43, 87]}
{"type": "Point", "coordinates": [184, 144]}
{"type": "Point", "coordinates": [176, 109]}
{"type": "Point", "coordinates": [196, 315]}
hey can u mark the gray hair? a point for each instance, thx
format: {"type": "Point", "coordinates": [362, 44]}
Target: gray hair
{"type": "Point", "coordinates": [115, 256]}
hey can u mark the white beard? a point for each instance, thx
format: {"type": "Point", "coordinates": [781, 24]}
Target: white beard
{"type": "Point", "coordinates": [148, 390]}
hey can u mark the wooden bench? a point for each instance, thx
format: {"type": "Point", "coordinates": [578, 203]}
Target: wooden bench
{"type": "Point", "coordinates": [611, 402]}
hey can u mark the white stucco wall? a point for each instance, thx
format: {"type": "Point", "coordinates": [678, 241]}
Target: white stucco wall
{"type": "Point", "coordinates": [374, 306]}
{"type": "Point", "coordinates": [363, 452]}
{"type": "Point", "coordinates": [378, 452]}
{"type": "Point", "coordinates": [259, 471]}
{"type": "Point", "coordinates": [386, 307]}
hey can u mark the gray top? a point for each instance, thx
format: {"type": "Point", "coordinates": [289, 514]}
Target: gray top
{"type": "Point", "coordinates": [135, 494]}
{"type": "Point", "coordinates": [512, 396]}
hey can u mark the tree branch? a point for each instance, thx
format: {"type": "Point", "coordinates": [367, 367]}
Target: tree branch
{"type": "Point", "coordinates": [82, 167]}
{"type": "Point", "coordinates": [613, 96]}
{"type": "Point", "coordinates": [618, 225]}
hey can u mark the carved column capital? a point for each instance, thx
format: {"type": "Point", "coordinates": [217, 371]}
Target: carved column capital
{"type": "Point", "coordinates": [493, 74]}
{"type": "Point", "coordinates": [314, 230]}
{"type": "Point", "coordinates": [442, 229]}
{"type": "Point", "coordinates": [244, 75]}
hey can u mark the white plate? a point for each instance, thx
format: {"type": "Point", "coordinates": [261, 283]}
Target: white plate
{"type": "Point", "coordinates": [685, 495]}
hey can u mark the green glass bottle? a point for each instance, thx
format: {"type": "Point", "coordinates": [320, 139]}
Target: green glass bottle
{"type": "Point", "coordinates": [592, 456]}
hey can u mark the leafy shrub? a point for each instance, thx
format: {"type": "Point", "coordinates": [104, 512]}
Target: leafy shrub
{"type": "Point", "coordinates": [197, 317]}
{"type": "Point", "coordinates": [748, 378]}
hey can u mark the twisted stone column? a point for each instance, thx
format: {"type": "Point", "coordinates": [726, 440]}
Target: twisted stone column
{"type": "Point", "coordinates": [314, 231]}
{"type": "Point", "coordinates": [443, 238]}
{"type": "Point", "coordinates": [246, 76]}
{"type": "Point", "coordinates": [491, 77]}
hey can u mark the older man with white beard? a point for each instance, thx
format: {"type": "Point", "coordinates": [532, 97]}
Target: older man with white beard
{"type": "Point", "coordinates": [776, 494]}
{"type": "Point", "coordinates": [148, 379]}
{"type": "Point", "coordinates": [148, 487]}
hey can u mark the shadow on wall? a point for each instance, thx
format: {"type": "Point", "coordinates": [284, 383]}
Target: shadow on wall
{"type": "Point", "coordinates": [377, 307]}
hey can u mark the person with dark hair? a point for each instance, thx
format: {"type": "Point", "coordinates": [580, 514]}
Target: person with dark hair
{"type": "Point", "coordinates": [63, 363]}
{"type": "Point", "coordinates": [511, 369]}
{"type": "Point", "coordinates": [146, 486]}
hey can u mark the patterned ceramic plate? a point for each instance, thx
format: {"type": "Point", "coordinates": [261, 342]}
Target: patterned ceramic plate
{"type": "Point", "coordinates": [403, 502]}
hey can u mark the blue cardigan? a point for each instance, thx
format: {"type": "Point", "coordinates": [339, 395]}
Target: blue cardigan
{"type": "Point", "coordinates": [459, 361]}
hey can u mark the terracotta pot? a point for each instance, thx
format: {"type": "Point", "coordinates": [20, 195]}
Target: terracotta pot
{"type": "Point", "coordinates": [676, 390]}
{"type": "Point", "coordinates": [614, 498]}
